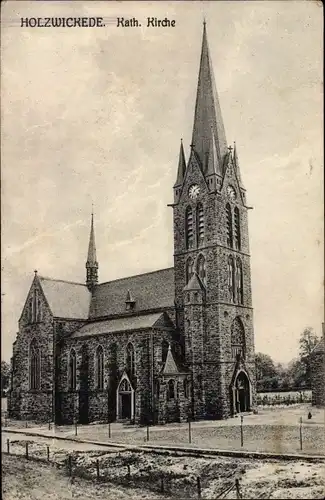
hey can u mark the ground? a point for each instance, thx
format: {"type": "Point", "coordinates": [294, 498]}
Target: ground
{"type": "Point", "coordinates": [139, 475]}
{"type": "Point", "coordinates": [275, 429]}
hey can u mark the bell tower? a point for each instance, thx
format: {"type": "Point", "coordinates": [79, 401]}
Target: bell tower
{"type": "Point", "coordinates": [212, 261]}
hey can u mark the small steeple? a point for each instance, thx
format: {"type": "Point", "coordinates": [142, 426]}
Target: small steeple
{"type": "Point", "coordinates": [207, 117]}
{"type": "Point", "coordinates": [236, 163]}
{"type": "Point", "coordinates": [92, 264]}
{"type": "Point", "coordinates": [181, 166]}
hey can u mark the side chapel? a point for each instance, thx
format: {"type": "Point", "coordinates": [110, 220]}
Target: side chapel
{"type": "Point", "coordinates": [162, 346]}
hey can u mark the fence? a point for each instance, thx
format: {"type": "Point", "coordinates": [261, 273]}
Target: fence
{"type": "Point", "coordinates": [157, 481]}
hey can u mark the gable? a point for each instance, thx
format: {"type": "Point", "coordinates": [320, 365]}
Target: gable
{"type": "Point", "coordinates": [150, 291]}
{"type": "Point", "coordinates": [193, 175]}
{"type": "Point", "coordinates": [66, 299]}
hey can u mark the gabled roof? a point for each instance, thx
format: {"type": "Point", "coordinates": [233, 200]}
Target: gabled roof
{"type": "Point", "coordinates": [170, 367]}
{"type": "Point", "coordinates": [154, 290]}
{"type": "Point", "coordinates": [194, 283]}
{"type": "Point", "coordinates": [115, 325]}
{"type": "Point", "coordinates": [65, 298]}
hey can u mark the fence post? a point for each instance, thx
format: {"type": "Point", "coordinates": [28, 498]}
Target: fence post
{"type": "Point", "coordinates": [49, 425]}
{"type": "Point", "coordinates": [48, 452]}
{"type": "Point", "coordinates": [129, 470]}
{"type": "Point", "coordinates": [70, 465]}
{"type": "Point", "coordinates": [241, 431]}
{"type": "Point", "coordinates": [109, 430]}
{"type": "Point", "coordinates": [189, 431]}
{"type": "Point", "coordinates": [147, 432]}
{"type": "Point", "coordinates": [97, 468]}
{"type": "Point", "coordinates": [8, 446]}
{"type": "Point", "coordinates": [76, 427]}
{"type": "Point", "coordinates": [27, 450]}
{"type": "Point", "coordinates": [26, 424]}
{"type": "Point", "coordinates": [238, 495]}
{"type": "Point", "coordinates": [300, 433]}
{"type": "Point", "coordinates": [162, 486]}
{"type": "Point", "coordinates": [198, 487]}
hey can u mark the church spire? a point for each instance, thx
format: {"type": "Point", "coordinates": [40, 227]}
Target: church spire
{"type": "Point", "coordinates": [92, 264]}
{"type": "Point", "coordinates": [181, 166]}
{"type": "Point", "coordinates": [207, 118]}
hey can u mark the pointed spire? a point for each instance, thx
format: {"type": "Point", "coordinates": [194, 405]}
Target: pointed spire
{"type": "Point", "coordinates": [92, 246]}
{"type": "Point", "coordinates": [207, 116]}
{"type": "Point", "coordinates": [92, 264]}
{"type": "Point", "coordinates": [181, 166]}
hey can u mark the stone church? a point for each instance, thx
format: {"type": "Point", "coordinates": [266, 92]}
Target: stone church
{"type": "Point", "coordinates": [158, 347]}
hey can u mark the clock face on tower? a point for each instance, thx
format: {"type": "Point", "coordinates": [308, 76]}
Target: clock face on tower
{"type": "Point", "coordinates": [194, 191]}
{"type": "Point", "coordinates": [231, 192]}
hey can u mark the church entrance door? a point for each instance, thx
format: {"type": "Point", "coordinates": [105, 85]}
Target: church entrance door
{"type": "Point", "coordinates": [242, 389]}
{"type": "Point", "coordinates": [125, 400]}
{"type": "Point", "coordinates": [241, 394]}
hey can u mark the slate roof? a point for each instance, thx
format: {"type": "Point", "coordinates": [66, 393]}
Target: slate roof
{"type": "Point", "coordinates": [149, 291]}
{"type": "Point", "coordinates": [66, 299]}
{"type": "Point", "coordinates": [115, 325]}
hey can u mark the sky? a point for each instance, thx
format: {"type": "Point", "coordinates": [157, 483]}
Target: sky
{"type": "Point", "coordinates": [96, 116]}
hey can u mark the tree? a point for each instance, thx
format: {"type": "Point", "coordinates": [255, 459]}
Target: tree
{"type": "Point", "coordinates": [266, 373]}
{"type": "Point", "coordinates": [308, 340]}
{"type": "Point", "coordinates": [5, 375]}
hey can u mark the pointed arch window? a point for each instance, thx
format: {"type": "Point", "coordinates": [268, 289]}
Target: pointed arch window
{"type": "Point", "coordinates": [72, 370]}
{"type": "Point", "coordinates": [35, 365]}
{"type": "Point", "coordinates": [229, 226]}
{"type": "Point", "coordinates": [231, 279]}
{"type": "Point", "coordinates": [200, 224]}
{"type": "Point", "coordinates": [130, 361]}
{"type": "Point", "coordinates": [189, 228]}
{"type": "Point", "coordinates": [164, 350]}
{"type": "Point", "coordinates": [239, 280]}
{"type": "Point", "coordinates": [99, 367]}
{"type": "Point", "coordinates": [189, 269]}
{"type": "Point", "coordinates": [171, 390]}
{"type": "Point", "coordinates": [238, 343]}
{"type": "Point", "coordinates": [201, 268]}
{"type": "Point", "coordinates": [237, 229]}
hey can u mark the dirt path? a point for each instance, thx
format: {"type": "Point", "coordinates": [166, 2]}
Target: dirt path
{"type": "Point", "coordinates": [23, 480]}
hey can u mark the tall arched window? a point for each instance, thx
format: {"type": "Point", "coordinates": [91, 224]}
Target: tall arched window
{"type": "Point", "coordinates": [237, 229]}
{"type": "Point", "coordinates": [200, 224]}
{"type": "Point", "coordinates": [171, 390]}
{"type": "Point", "coordinates": [72, 370]}
{"type": "Point", "coordinates": [35, 365]}
{"type": "Point", "coordinates": [231, 279]}
{"type": "Point", "coordinates": [189, 269]}
{"type": "Point", "coordinates": [239, 280]}
{"type": "Point", "coordinates": [189, 228]}
{"type": "Point", "coordinates": [130, 362]}
{"type": "Point", "coordinates": [229, 226]}
{"type": "Point", "coordinates": [100, 367]}
{"type": "Point", "coordinates": [164, 350]}
{"type": "Point", "coordinates": [238, 345]}
{"type": "Point", "coordinates": [201, 268]}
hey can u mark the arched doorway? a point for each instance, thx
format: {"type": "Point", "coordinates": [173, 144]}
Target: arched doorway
{"type": "Point", "coordinates": [241, 393]}
{"type": "Point", "coordinates": [125, 400]}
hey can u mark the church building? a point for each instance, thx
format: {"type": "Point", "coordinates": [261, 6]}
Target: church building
{"type": "Point", "coordinates": [163, 346]}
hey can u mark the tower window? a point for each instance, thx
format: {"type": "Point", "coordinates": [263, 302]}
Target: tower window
{"type": "Point", "coordinates": [164, 350]}
{"type": "Point", "coordinates": [35, 364]}
{"type": "Point", "coordinates": [201, 268]}
{"type": "Point", "coordinates": [200, 224]}
{"type": "Point", "coordinates": [239, 279]}
{"type": "Point", "coordinates": [231, 279]}
{"type": "Point", "coordinates": [189, 269]}
{"type": "Point", "coordinates": [130, 361]}
{"type": "Point", "coordinates": [237, 229]}
{"type": "Point", "coordinates": [72, 370]}
{"type": "Point", "coordinates": [229, 226]}
{"type": "Point", "coordinates": [100, 367]}
{"type": "Point", "coordinates": [189, 228]}
{"type": "Point", "coordinates": [238, 345]}
{"type": "Point", "coordinates": [171, 390]}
